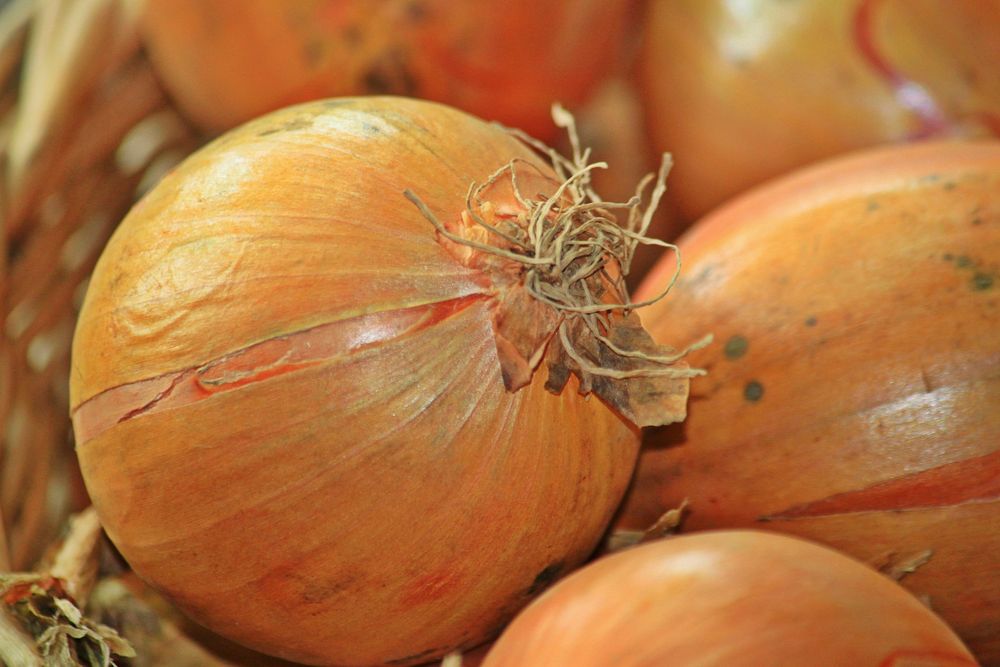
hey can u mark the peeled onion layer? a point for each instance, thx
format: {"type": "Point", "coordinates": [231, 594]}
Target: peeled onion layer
{"type": "Point", "coordinates": [289, 403]}
{"type": "Point", "coordinates": [260, 361]}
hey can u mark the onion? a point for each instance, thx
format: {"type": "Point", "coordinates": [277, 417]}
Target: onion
{"type": "Point", "coordinates": [741, 92]}
{"type": "Point", "coordinates": [726, 598]}
{"type": "Point", "coordinates": [227, 61]}
{"type": "Point", "coordinates": [852, 395]}
{"type": "Point", "coordinates": [314, 422]}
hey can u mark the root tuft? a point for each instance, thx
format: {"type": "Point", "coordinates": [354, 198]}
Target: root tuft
{"type": "Point", "coordinates": [572, 255]}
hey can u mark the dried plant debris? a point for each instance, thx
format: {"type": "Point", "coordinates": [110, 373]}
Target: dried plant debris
{"type": "Point", "coordinates": [153, 627]}
{"type": "Point", "coordinates": [558, 264]}
{"type": "Point", "coordinates": [63, 635]}
{"type": "Point", "coordinates": [898, 566]}
{"type": "Point", "coordinates": [668, 524]}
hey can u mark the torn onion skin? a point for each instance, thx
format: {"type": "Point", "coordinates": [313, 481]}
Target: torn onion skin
{"type": "Point", "coordinates": [724, 598]}
{"type": "Point", "coordinates": [227, 61]}
{"type": "Point", "coordinates": [744, 92]}
{"type": "Point", "coordinates": [288, 399]}
{"type": "Point", "coordinates": [852, 390]}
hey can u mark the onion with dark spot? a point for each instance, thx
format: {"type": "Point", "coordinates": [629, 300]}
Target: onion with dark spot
{"type": "Point", "coordinates": [864, 412]}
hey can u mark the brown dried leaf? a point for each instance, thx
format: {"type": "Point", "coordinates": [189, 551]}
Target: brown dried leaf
{"type": "Point", "coordinates": [63, 635]}
{"type": "Point", "coordinates": [650, 400]}
{"type": "Point", "coordinates": [16, 646]}
{"type": "Point", "coordinates": [644, 399]}
{"type": "Point", "coordinates": [69, 610]}
{"type": "Point", "coordinates": [898, 566]}
{"type": "Point", "coordinates": [521, 338]}
{"type": "Point", "coordinates": [668, 524]}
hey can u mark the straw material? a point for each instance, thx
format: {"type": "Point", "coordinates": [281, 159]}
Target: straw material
{"type": "Point", "coordinates": [84, 128]}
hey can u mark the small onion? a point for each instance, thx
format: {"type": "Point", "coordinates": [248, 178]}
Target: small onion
{"type": "Point", "coordinates": [741, 92]}
{"type": "Point", "coordinates": [227, 61]}
{"type": "Point", "coordinates": [853, 391]}
{"type": "Point", "coordinates": [727, 598]}
{"type": "Point", "coordinates": [314, 423]}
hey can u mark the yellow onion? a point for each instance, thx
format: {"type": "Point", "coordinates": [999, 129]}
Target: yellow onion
{"type": "Point", "coordinates": [227, 61]}
{"type": "Point", "coordinates": [852, 396]}
{"type": "Point", "coordinates": [727, 598]}
{"type": "Point", "coordinates": [308, 388]}
{"type": "Point", "coordinates": [741, 92]}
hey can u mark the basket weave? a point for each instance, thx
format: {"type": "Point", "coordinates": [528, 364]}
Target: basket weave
{"type": "Point", "coordinates": [84, 128]}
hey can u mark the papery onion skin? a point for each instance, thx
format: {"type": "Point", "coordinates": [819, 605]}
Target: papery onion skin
{"type": "Point", "coordinates": [288, 404]}
{"type": "Point", "coordinates": [743, 92]}
{"type": "Point", "coordinates": [853, 387]}
{"type": "Point", "coordinates": [227, 61]}
{"type": "Point", "coordinates": [726, 598]}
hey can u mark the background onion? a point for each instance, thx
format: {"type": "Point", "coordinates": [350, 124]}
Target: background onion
{"type": "Point", "coordinates": [853, 389]}
{"type": "Point", "coordinates": [742, 92]}
{"type": "Point", "coordinates": [288, 402]}
{"type": "Point", "coordinates": [726, 598]}
{"type": "Point", "coordinates": [227, 61]}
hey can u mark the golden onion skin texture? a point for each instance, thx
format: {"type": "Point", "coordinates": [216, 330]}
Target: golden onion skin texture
{"type": "Point", "coordinates": [288, 405]}
{"type": "Point", "coordinates": [722, 598]}
{"type": "Point", "coordinates": [853, 390]}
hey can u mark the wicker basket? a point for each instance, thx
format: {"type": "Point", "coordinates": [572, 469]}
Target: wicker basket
{"type": "Point", "coordinates": [85, 127]}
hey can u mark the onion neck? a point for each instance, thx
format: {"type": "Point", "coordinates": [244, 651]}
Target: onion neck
{"type": "Point", "coordinates": [557, 256]}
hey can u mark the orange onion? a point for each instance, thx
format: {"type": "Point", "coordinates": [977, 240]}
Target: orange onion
{"type": "Point", "coordinates": [852, 393]}
{"type": "Point", "coordinates": [744, 91]}
{"type": "Point", "coordinates": [304, 384]}
{"type": "Point", "coordinates": [727, 598]}
{"type": "Point", "coordinates": [227, 61]}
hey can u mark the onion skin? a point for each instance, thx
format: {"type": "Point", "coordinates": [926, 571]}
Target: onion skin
{"type": "Point", "coordinates": [853, 387]}
{"type": "Point", "coordinates": [227, 61]}
{"type": "Point", "coordinates": [743, 92]}
{"type": "Point", "coordinates": [726, 598]}
{"type": "Point", "coordinates": [288, 404]}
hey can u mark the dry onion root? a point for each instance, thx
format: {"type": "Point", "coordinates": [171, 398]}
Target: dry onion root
{"type": "Point", "coordinates": [570, 254]}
